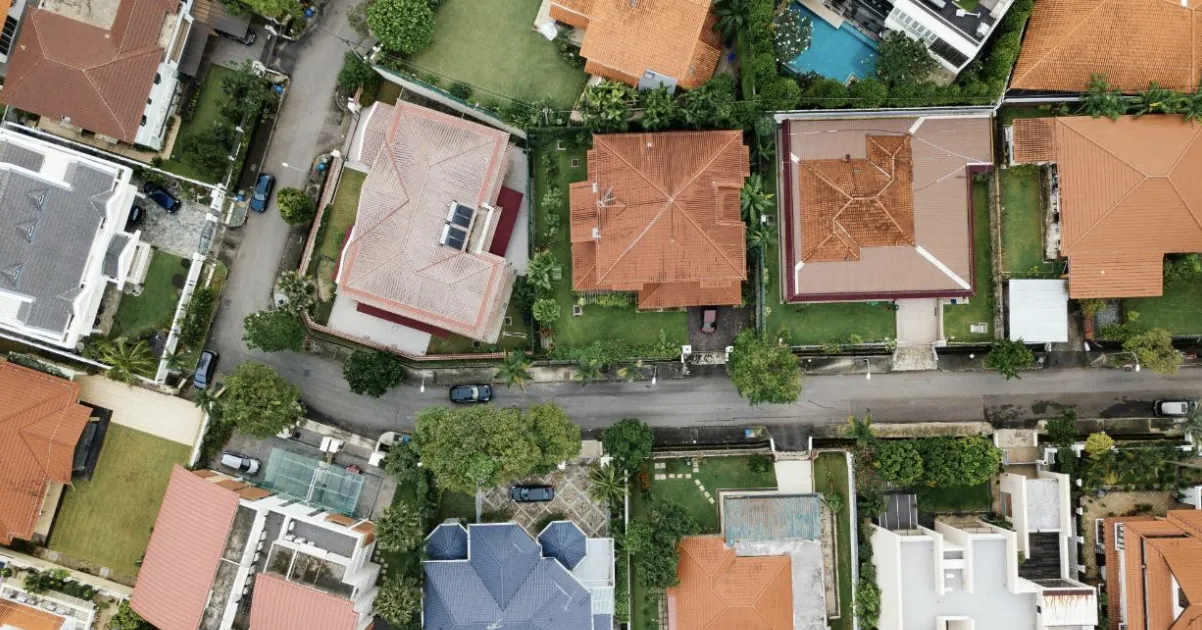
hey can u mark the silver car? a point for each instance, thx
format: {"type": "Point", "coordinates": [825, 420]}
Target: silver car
{"type": "Point", "coordinates": [239, 462]}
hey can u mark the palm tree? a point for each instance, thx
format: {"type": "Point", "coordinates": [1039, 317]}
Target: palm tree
{"type": "Point", "coordinates": [859, 429]}
{"type": "Point", "coordinates": [631, 372]}
{"type": "Point", "coordinates": [176, 361]}
{"type": "Point", "coordinates": [399, 600]}
{"type": "Point", "coordinates": [1191, 106]}
{"type": "Point", "coordinates": [754, 203]}
{"type": "Point", "coordinates": [588, 370]}
{"type": "Point", "coordinates": [605, 484]}
{"type": "Point", "coordinates": [1156, 99]}
{"type": "Point", "coordinates": [514, 370]}
{"type": "Point", "coordinates": [760, 235]}
{"type": "Point", "coordinates": [1192, 426]}
{"type": "Point", "coordinates": [126, 360]}
{"type": "Point", "coordinates": [400, 529]}
{"type": "Point", "coordinates": [732, 17]}
{"type": "Point", "coordinates": [206, 399]}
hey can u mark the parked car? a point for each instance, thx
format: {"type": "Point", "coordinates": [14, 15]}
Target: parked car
{"type": "Point", "coordinates": [1174, 408]}
{"type": "Point", "coordinates": [161, 196]}
{"type": "Point", "coordinates": [532, 494]}
{"type": "Point", "coordinates": [240, 462]}
{"type": "Point", "coordinates": [709, 320]}
{"type": "Point", "coordinates": [471, 393]}
{"type": "Point", "coordinates": [136, 214]}
{"type": "Point", "coordinates": [249, 39]}
{"type": "Point", "coordinates": [205, 369]}
{"type": "Point", "coordinates": [262, 192]}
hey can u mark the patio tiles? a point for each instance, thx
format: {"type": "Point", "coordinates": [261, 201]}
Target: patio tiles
{"type": "Point", "coordinates": [571, 499]}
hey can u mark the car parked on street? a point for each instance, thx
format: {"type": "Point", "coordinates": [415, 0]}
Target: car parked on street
{"type": "Point", "coordinates": [1174, 408]}
{"type": "Point", "coordinates": [532, 494]}
{"type": "Point", "coordinates": [467, 394]}
{"type": "Point", "coordinates": [205, 369]}
{"type": "Point", "coordinates": [240, 462]}
{"type": "Point", "coordinates": [161, 196]}
{"type": "Point", "coordinates": [262, 192]}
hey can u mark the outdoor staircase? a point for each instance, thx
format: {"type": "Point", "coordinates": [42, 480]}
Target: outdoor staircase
{"type": "Point", "coordinates": [915, 358]}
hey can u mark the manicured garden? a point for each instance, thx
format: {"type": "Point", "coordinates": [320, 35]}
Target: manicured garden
{"type": "Point", "coordinates": [207, 113]}
{"type": "Point", "coordinates": [155, 306]}
{"type": "Point", "coordinates": [108, 519]}
{"type": "Point", "coordinates": [955, 498]}
{"type": "Point", "coordinates": [1178, 311]}
{"type": "Point", "coordinates": [1022, 223]}
{"type": "Point", "coordinates": [959, 318]}
{"type": "Point", "coordinates": [830, 478]}
{"type": "Point", "coordinates": [493, 47]}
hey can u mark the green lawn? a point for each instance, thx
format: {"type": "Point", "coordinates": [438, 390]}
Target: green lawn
{"type": "Point", "coordinates": [1022, 223]}
{"type": "Point", "coordinates": [830, 476]}
{"type": "Point", "coordinates": [1178, 311]}
{"type": "Point", "coordinates": [957, 498]}
{"type": "Point", "coordinates": [154, 308]}
{"type": "Point", "coordinates": [493, 46]}
{"type": "Point", "coordinates": [457, 505]}
{"type": "Point", "coordinates": [598, 322]}
{"type": "Point", "coordinates": [207, 112]}
{"type": "Point", "coordinates": [340, 215]}
{"type": "Point", "coordinates": [514, 336]}
{"type": "Point", "coordinates": [389, 92]}
{"type": "Point", "coordinates": [958, 319]}
{"type": "Point", "coordinates": [108, 520]}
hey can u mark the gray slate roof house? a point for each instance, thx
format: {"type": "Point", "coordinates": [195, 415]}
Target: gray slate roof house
{"type": "Point", "coordinates": [496, 575]}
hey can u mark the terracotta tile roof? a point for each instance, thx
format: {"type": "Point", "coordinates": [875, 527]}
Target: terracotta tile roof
{"type": "Point", "coordinates": [40, 424]}
{"type": "Point", "coordinates": [425, 161]}
{"type": "Point", "coordinates": [624, 38]}
{"type": "Point", "coordinates": [1131, 42]}
{"type": "Point", "coordinates": [278, 603]}
{"type": "Point", "coordinates": [1129, 194]}
{"type": "Point", "coordinates": [99, 78]}
{"type": "Point", "coordinates": [1114, 583]}
{"type": "Point", "coordinates": [659, 215]}
{"type": "Point", "coordinates": [185, 549]}
{"type": "Point", "coordinates": [22, 617]}
{"type": "Point", "coordinates": [719, 590]}
{"type": "Point", "coordinates": [880, 208]}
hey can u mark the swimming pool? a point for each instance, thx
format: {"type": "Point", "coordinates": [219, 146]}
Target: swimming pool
{"type": "Point", "coordinates": [836, 53]}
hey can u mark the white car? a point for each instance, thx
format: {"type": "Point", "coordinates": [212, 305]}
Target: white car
{"type": "Point", "coordinates": [240, 463]}
{"type": "Point", "coordinates": [1175, 408]}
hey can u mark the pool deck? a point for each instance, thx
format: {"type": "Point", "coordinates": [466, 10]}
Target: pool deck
{"type": "Point", "coordinates": [819, 9]}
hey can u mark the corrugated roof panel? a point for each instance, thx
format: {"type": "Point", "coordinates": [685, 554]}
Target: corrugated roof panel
{"type": "Point", "coordinates": [1039, 311]}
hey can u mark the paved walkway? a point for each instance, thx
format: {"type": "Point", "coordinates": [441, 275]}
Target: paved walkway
{"type": "Point", "coordinates": [161, 415]}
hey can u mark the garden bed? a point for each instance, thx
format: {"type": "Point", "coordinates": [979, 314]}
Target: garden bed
{"type": "Point", "coordinates": [830, 477]}
{"type": "Point", "coordinates": [959, 318]}
{"type": "Point", "coordinates": [154, 308]}
{"type": "Point", "coordinates": [206, 114]}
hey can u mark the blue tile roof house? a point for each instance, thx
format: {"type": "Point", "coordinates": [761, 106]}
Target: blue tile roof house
{"type": "Point", "coordinates": [497, 576]}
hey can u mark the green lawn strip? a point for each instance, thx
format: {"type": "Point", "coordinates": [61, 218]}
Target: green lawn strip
{"type": "Point", "coordinates": [108, 520]}
{"type": "Point", "coordinates": [154, 308]}
{"type": "Point", "coordinates": [493, 47]}
{"type": "Point", "coordinates": [1022, 222]}
{"type": "Point", "coordinates": [456, 344]}
{"type": "Point", "coordinates": [206, 114]}
{"type": "Point", "coordinates": [1178, 311]}
{"type": "Point", "coordinates": [956, 498]}
{"type": "Point", "coordinates": [958, 318]}
{"type": "Point", "coordinates": [340, 215]}
{"type": "Point", "coordinates": [598, 322]}
{"type": "Point", "coordinates": [830, 476]}
{"type": "Point", "coordinates": [457, 505]}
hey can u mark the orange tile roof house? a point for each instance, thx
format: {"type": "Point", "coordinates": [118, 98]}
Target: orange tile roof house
{"type": "Point", "coordinates": [672, 42]}
{"type": "Point", "coordinates": [428, 215]}
{"type": "Point", "coordinates": [1130, 42]}
{"type": "Point", "coordinates": [226, 554]}
{"type": "Point", "coordinates": [111, 72]}
{"type": "Point", "coordinates": [659, 214]}
{"type": "Point", "coordinates": [1153, 566]}
{"type": "Point", "coordinates": [1129, 193]}
{"type": "Point", "coordinates": [40, 425]}
{"type": "Point", "coordinates": [879, 207]}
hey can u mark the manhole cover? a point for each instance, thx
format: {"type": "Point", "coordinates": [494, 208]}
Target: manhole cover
{"type": "Point", "coordinates": [306, 373]}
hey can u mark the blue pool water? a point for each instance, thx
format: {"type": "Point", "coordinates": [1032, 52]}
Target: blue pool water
{"type": "Point", "coordinates": [836, 53]}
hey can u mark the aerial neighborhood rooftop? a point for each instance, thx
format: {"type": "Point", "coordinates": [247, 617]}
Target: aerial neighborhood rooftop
{"type": "Point", "coordinates": [600, 315]}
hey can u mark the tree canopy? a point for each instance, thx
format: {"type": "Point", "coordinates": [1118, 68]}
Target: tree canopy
{"type": "Point", "coordinates": [653, 542]}
{"type": "Point", "coordinates": [1097, 444]}
{"type": "Point", "coordinates": [1154, 350]}
{"type": "Point", "coordinates": [951, 462]}
{"type": "Point", "coordinates": [295, 206]}
{"type": "Point", "coordinates": [399, 600]}
{"type": "Point", "coordinates": [373, 372]}
{"type": "Point", "coordinates": [403, 26]}
{"type": "Point", "coordinates": [259, 402]}
{"type": "Point", "coordinates": [903, 60]}
{"type": "Point", "coordinates": [1008, 357]}
{"type": "Point", "coordinates": [400, 528]}
{"type": "Point", "coordinates": [628, 442]}
{"type": "Point", "coordinates": [898, 462]}
{"type": "Point", "coordinates": [273, 330]}
{"type": "Point", "coordinates": [605, 107]}
{"type": "Point", "coordinates": [764, 372]}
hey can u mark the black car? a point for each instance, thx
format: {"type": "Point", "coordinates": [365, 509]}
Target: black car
{"type": "Point", "coordinates": [161, 196]}
{"type": "Point", "coordinates": [471, 394]}
{"type": "Point", "coordinates": [248, 39]}
{"type": "Point", "coordinates": [136, 214]}
{"type": "Point", "coordinates": [532, 494]}
{"type": "Point", "coordinates": [205, 369]}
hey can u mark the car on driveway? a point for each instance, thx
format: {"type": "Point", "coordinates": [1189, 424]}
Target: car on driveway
{"type": "Point", "coordinates": [162, 196]}
{"type": "Point", "coordinates": [1174, 408]}
{"type": "Point", "coordinates": [709, 320]}
{"type": "Point", "coordinates": [136, 214]}
{"type": "Point", "coordinates": [262, 192]}
{"type": "Point", "coordinates": [205, 369]}
{"type": "Point", "coordinates": [471, 394]}
{"type": "Point", "coordinates": [240, 462]}
{"type": "Point", "coordinates": [532, 494]}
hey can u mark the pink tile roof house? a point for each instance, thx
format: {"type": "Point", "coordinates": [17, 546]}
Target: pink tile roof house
{"type": "Point", "coordinates": [427, 217]}
{"type": "Point", "coordinates": [279, 603]}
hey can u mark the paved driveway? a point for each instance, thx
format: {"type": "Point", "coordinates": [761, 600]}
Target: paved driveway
{"type": "Point", "coordinates": [731, 321]}
{"type": "Point", "coordinates": [180, 233]}
{"type": "Point", "coordinates": [158, 414]}
{"type": "Point", "coordinates": [571, 500]}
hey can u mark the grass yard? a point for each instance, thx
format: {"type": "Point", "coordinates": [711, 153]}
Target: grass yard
{"type": "Point", "coordinates": [1178, 311]}
{"type": "Point", "coordinates": [955, 499]}
{"type": "Point", "coordinates": [389, 92]}
{"type": "Point", "coordinates": [819, 323]}
{"type": "Point", "coordinates": [457, 505]}
{"type": "Point", "coordinates": [340, 215]}
{"type": "Point", "coordinates": [958, 319]}
{"type": "Point", "coordinates": [493, 47]}
{"type": "Point", "coordinates": [598, 322]}
{"type": "Point", "coordinates": [1022, 223]}
{"type": "Point", "coordinates": [108, 520]}
{"type": "Point", "coordinates": [207, 112]}
{"type": "Point", "coordinates": [154, 308]}
{"type": "Point", "coordinates": [830, 476]}
{"type": "Point", "coordinates": [514, 336]}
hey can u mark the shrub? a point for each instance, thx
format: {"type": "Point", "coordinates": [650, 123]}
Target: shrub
{"type": "Point", "coordinates": [1098, 444]}
{"type": "Point", "coordinates": [759, 464]}
{"type": "Point", "coordinates": [546, 311]}
{"type": "Point", "coordinates": [403, 26]}
{"type": "Point", "coordinates": [898, 462]}
{"type": "Point", "coordinates": [355, 71]}
{"type": "Point", "coordinates": [295, 206]}
{"type": "Point", "coordinates": [461, 91]}
{"type": "Point", "coordinates": [196, 318]}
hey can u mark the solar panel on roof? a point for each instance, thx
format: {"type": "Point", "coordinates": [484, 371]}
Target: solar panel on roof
{"type": "Point", "coordinates": [463, 215]}
{"type": "Point", "coordinates": [455, 237]}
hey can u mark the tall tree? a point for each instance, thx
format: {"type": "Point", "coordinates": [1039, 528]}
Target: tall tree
{"type": "Point", "coordinates": [903, 60]}
{"type": "Point", "coordinates": [400, 528]}
{"type": "Point", "coordinates": [1154, 350]}
{"type": "Point", "coordinates": [373, 372]}
{"type": "Point", "coordinates": [557, 437]}
{"type": "Point", "coordinates": [514, 370]}
{"type": "Point", "coordinates": [628, 442]}
{"type": "Point", "coordinates": [273, 331]}
{"type": "Point", "coordinates": [399, 601]}
{"type": "Point", "coordinates": [764, 372]}
{"type": "Point", "coordinates": [1008, 357]}
{"type": "Point", "coordinates": [403, 26]}
{"type": "Point", "coordinates": [259, 402]}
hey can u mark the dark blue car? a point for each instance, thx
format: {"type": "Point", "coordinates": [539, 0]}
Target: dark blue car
{"type": "Point", "coordinates": [161, 196]}
{"type": "Point", "coordinates": [258, 199]}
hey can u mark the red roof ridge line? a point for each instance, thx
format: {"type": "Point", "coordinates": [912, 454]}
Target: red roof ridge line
{"type": "Point", "coordinates": [1064, 248]}
{"type": "Point", "coordinates": [1188, 207]}
{"type": "Point", "coordinates": [1063, 38]}
{"type": "Point", "coordinates": [755, 606]}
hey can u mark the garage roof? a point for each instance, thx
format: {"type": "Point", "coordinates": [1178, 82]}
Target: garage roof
{"type": "Point", "coordinates": [1039, 311]}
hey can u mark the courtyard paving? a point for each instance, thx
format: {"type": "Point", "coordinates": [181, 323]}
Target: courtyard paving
{"type": "Point", "coordinates": [571, 499]}
{"type": "Point", "coordinates": [183, 233]}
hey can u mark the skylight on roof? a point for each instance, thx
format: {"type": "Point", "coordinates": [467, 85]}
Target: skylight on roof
{"type": "Point", "coordinates": [457, 227]}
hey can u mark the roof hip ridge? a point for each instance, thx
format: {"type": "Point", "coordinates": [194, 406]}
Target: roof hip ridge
{"type": "Point", "coordinates": [1085, 18]}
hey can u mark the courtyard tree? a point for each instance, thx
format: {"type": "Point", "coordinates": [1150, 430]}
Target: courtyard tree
{"type": "Point", "coordinates": [1008, 357]}
{"type": "Point", "coordinates": [400, 528]}
{"type": "Point", "coordinates": [792, 36]}
{"type": "Point", "coordinates": [903, 60]}
{"type": "Point", "coordinates": [546, 311]}
{"type": "Point", "coordinates": [1099, 100]}
{"type": "Point", "coordinates": [605, 107]}
{"type": "Point", "coordinates": [273, 331]}
{"type": "Point", "coordinates": [1098, 444]}
{"type": "Point", "coordinates": [898, 462]}
{"type": "Point", "coordinates": [952, 462]}
{"type": "Point", "coordinates": [514, 370]}
{"type": "Point", "coordinates": [606, 484]}
{"type": "Point", "coordinates": [300, 295]}
{"type": "Point", "coordinates": [710, 106]}
{"type": "Point", "coordinates": [296, 207]}
{"type": "Point", "coordinates": [628, 442]}
{"type": "Point", "coordinates": [399, 601]}
{"type": "Point", "coordinates": [654, 543]}
{"type": "Point", "coordinates": [539, 271]}
{"type": "Point", "coordinates": [259, 402]}
{"type": "Point", "coordinates": [403, 26]}
{"type": "Point", "coordinates": [127, 359]}
{"type": "Point", "coordinates": [659, 109]}
{"type": "Point", "coordinates": [764, 372]}
{"type": "Point", "coordinates": [1154, 350]}
{"type": "Point", "coordinates": [373, 372]}
{"type": "Point", "coordinates": [733, 16]}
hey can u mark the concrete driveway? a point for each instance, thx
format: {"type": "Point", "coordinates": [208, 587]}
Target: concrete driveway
{"type": "Point", "coordinates": [158, 414]}
{"type": "Point", "coordinates": [731, 321]}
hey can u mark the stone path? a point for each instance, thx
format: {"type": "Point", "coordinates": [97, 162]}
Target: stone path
{"type": "Point", "coordinates": [661, 476]}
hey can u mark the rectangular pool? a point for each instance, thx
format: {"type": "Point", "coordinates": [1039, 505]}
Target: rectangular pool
{"type": "Point", "coordinates": [836, 53]}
